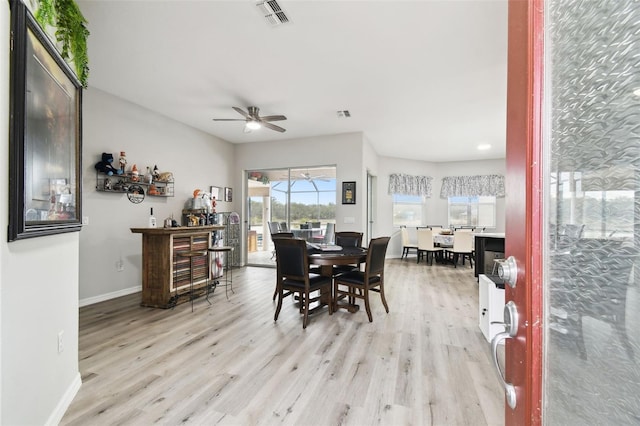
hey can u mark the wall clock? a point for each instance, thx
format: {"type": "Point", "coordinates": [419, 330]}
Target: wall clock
{"type": "Point", "coordinates": [135, 194]}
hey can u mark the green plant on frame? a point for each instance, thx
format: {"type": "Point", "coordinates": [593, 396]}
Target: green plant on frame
{"type": "Point", "coordinates": [71, 32]}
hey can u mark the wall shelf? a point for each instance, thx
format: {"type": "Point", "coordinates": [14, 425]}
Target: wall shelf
{"type": "Point", "coordinates": [121, 183]}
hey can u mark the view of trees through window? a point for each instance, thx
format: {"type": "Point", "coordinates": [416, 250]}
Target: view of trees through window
{"type": "Point", "coordinates": [293, 196]}
{"type": "Point", "coordinates": [407, 210]}
{"type": "Point", "coordinates": [299, 212]}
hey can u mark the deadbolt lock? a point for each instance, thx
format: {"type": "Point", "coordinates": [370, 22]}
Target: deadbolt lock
{"type": "Point", "coordinates": [508, 271]}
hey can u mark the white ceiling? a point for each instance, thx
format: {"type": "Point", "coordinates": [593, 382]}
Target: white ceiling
{"type": "Point", "coordinates": [423, 80]}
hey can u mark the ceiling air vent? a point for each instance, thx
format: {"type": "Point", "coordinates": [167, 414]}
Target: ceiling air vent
{"type": "Point", "coordinates": [344, 113]}
{"type": "Point", "coordinates": [273, 13]}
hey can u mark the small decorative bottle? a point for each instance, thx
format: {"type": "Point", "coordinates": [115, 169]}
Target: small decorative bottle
{"type": "Point", "coordinates": [152, 220]}
{"type": "Point", "coordinates": [148, 177]}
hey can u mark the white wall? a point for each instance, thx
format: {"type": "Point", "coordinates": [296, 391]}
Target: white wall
{"type": "Point", "coordinates": [38, 298]}
{"type": "Point", "coordinates": [436, 207]}
{"type": "Point", "coordinates": [196, 159]}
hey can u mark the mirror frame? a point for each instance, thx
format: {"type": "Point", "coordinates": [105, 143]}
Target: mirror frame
{"type": "Point", "coordinates": [45, 185]}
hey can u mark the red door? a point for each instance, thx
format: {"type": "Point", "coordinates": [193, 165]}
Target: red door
{"type": "Point", "coordinates": [573, 213]}
{"type": "Point", "coordinates": [523, 353]}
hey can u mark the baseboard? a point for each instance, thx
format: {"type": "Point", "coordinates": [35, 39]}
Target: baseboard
{"type": "Point", "coordinates": [67, 398]}
{"type": "Point", "coordinates": [109, 296]}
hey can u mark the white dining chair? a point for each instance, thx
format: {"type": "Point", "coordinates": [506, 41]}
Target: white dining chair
{"type": "Point", "coordinates": [462, 246]}
{"type": "Point", "coordinates": [406, 243]}
{"type": "Point", "coordinates": [426, 245]}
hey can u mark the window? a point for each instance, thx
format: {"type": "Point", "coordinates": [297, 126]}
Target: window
{"type": "Point", "coordinates": [407, 210]}
{"type": "Point", "coordinates": [472, 211]}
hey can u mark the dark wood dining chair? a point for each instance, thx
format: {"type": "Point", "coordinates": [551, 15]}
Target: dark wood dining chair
{"type": "Point", "coordinates": [371, 279]}
{"type": "Point", "coordinates": [347, 239]}
{"type": "Point", "coordinates": [293, 276]}
{"type": "Point", "coordinates": [274, 256]}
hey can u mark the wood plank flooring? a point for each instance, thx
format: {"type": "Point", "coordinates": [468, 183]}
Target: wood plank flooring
{"type": "Point", "coordinates": [424, 363]}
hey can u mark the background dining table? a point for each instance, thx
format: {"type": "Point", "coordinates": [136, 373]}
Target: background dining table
{"type": "Point", "coordinates": [443, 240]}
{"type": "Point", "coordinates": [306, 234]}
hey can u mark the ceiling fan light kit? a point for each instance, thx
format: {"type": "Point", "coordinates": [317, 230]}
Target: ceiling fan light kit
{"type": "Point", "coordinates": [253, 125]}
{"type": "Point", "coordinates": [253, 120]}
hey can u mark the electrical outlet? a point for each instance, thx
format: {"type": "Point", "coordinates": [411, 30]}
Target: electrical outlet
{"type": "Point", "coordinates": [60, 341]}
{"type": "Point", "coordinates": [120, 266]}
{"type": "Point", "coordinates": [85, 220]}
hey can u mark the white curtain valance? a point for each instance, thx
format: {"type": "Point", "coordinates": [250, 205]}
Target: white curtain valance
{"type": "Point", "coordinates": [469, 186]}
{"type": "Point", "coordinates": [410, 185]}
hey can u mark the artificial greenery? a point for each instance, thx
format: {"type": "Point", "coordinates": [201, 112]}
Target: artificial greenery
{"type": "Point", "coordinates": [71, 32]}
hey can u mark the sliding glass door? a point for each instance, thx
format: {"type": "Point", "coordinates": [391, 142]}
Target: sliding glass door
{"type": "Point", "coordinates": [298, 200]}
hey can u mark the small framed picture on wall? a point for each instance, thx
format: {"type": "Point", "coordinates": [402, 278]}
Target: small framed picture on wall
{"type": "Point", "coordinates": [348, 192]}
{"type": "Point", "coordinates": [215, 192]}
{"type": "Point", "coordinates": [228, 194]}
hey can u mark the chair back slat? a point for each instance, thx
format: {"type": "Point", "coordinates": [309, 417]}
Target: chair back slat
{"type": "Point", "coordinates": [282, 235]}
{"type": "Point", "coordinates": [349, 239]}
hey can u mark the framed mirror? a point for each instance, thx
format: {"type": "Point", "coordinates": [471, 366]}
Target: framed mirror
{"type": "Point", "coordinates": [45, 134]}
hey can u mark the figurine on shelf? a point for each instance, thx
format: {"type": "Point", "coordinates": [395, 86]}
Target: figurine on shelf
{"type": "Point", "coordinates": [213, 204]}
{"type": "Point", "coordinates": [120, 185]}
{"type": "Point", "coordinates": [107, 184]}
{"type": "Point", "coordinates": [122, 160]}
{"type": "Point", "coordinates": [156, 172]}
{"type": "Point", "coordinates": [105, 165]}
{"type": "Point", "coordinates": [135, 175]}
{"type": "Point", "coordinates": [165, 177]}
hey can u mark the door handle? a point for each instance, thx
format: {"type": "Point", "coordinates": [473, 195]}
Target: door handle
{"type": "Point", "coordinates": [511, 330]}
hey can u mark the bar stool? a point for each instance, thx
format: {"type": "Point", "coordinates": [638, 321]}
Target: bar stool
{"type": "Point", "coordinates": [190, 255]}
{"type": "Point", "coordinates": [227, 271]}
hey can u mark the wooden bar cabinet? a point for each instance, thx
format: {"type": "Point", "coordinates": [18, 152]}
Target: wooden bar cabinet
{"type": "Point", "coordinates": [162, 274]}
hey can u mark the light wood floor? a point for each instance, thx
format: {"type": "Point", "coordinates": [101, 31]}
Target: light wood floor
{"type": "Point", "coordinates": [424, 363]}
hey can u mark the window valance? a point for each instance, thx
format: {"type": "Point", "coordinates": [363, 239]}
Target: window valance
{"type": "Point", "coordinates": [468, 186]}
{"type": "Point", "coordinates": [402, 184]}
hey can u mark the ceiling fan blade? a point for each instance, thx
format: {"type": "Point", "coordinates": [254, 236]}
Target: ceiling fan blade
{"type": "Point", "coordinates": [229, 119]}
{"type": "Point", "coordinates": [273, 127]}
{"type": "Point", "coordinates": [273, 118]}
{"type": "Point", "coordinates": [241, 112]}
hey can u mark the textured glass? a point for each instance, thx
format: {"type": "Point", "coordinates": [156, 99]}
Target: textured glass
{"type": "Point", "coordinates": [592, 314]}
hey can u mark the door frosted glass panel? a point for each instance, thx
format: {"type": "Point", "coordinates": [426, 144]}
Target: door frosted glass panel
{"type": "Point", "coordinates": [592, 315]}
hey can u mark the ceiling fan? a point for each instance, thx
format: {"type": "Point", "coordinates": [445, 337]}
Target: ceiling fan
{"type": "Point", "coordinates": [308, 177]}
{"type": "Point", "coordinates": [254, 121]}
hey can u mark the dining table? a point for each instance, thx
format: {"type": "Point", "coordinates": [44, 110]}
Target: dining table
{"type": "Point", "coordinates": [326, 259]}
